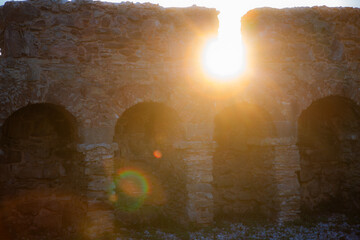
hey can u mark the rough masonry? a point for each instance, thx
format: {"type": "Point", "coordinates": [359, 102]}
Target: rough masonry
{"type": "Point", "coordinates": [107, 119]}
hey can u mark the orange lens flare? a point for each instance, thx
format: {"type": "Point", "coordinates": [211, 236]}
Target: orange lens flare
{"type": "Point", "coordinates": [157, 154]}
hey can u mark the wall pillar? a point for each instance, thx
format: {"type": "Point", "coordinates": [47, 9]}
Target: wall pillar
{"type": "Point", "coordinates": [99, 169]}
{"type": "Point", "coordinates": [286, 167]}
{"type": "Point", "coordinates": [198, 159]}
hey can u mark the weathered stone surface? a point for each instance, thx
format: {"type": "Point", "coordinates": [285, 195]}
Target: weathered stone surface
{"type": "Point", "coordinates": [19, 42]}
{"type": "Point", "coordinates": [329, 149]}
{"type": "Point", "coordinates": [146, 134]}
{"type": "Point", "coordinates": [46, 175]}
{"type": "Point", "coordinates": [199, 187]}
{"type": "Point", "coordinates": [242, 165]}
{"type": "Point", "coordinates": [91, 63]}
{"type": "Point", "coordinates": [19, 12]}
{"type": "Point", "coordinates": [304, 55]}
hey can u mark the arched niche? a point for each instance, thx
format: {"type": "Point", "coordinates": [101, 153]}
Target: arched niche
{"type": "Point", "coordinates": [243, 163]}
{"type": "Point", "coordinates": [42, 174]}
{"type": "Point", "coordinates": [150, 184]}
{"type": "Point", "coordinates": [329, 145]}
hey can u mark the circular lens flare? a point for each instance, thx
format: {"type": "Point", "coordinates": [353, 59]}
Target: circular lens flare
{"type": "Point", "coordinates": [129, 189]}
{"type": "Point", "coordinates": [223, 58]}
{"type": "Point", "coordinates": [157, 154]}
{"type": "Point", "coordinates": [131, 186]}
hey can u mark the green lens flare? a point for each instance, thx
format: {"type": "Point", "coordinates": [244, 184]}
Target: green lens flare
{"type": "Point", "coordinates": [129, 189]}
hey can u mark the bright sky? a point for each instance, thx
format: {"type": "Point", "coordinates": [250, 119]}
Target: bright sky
{"type": "Point", "coordinates": [228, 44]}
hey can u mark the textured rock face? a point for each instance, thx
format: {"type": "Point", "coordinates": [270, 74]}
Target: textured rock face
{"type": "Point", "coordinates": [146, 135]}
{"type": "Point", "coordinates": [42, 176]}
{"type": "Point", "coordinates": [243, 165]}
{"type": "Point", "coordinates": [100, 61]}
{"type": "Point", "coordinates": [128, 75]}
{"type": "Point", "coordinates": [329, 149]}
{"type": "Point", "coordinates": [302, 56]}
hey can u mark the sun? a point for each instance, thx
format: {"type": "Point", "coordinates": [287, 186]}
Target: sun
{"type": "Point", "coordinates": [223, 59]}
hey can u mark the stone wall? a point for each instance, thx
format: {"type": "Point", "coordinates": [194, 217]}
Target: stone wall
{"type": "Point", "coordinates": [42, 175]}
{"type": "Point", "coordinates": [146, 135]}
{"type": "Point", "coordinates": [129, 76]}
{"type": "Point", "coordinates": [98, 60]}
{"type": "Point", "coordinates": [244, 185]}
{"type": "Point", "coordinates": [299, 56]}
{"type": "Point", "coordinates": [328, 143]}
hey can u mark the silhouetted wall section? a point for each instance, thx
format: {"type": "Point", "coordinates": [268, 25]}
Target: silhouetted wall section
{"type": "Point", "coordinates": [42, 175]}
{"type": "Point", "coordinates": [329, 148]}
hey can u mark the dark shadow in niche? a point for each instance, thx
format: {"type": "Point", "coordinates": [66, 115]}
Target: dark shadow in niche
{"type": "Point", "coordinates": [329, 144]}
{"type": "Point", "coordinates": [42, 175]}
{"type": "Point", "coordinates": [244, 186]}
{"type": "Point", "coordinates": [150, 184]}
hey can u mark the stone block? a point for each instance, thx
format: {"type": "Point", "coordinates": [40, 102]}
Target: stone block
{"type": "Point", "coordinates": [98, 183]}
{"type": "Point", "coordinates": [99, 222]}
{"type": "Point", "coordinates": [97, 195]}
{"type": "Point", "coordinates": [19, 12]}
{"type": "Point", "coordinates": [199, 187]}
{"type": "Point", "coordinates": [204, 195]}
{"type": "Point", "coordinates": [206, 177]}
{"type": "Point", "coordinates": [97, 135]}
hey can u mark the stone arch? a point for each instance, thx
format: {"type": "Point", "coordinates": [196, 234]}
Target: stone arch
{"type": "Point", "coordinates": [243, 183]}
{"type": "Point", "coordinates": [304, 102]}
{"type": "Point", "coordinates": [146, 134]}
{"type": "Point", "coordinates": [329, 146]}
{"type": "Point", "coordinates": [42, 174]}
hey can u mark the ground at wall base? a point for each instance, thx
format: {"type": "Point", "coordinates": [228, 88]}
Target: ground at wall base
{"type": "Point", "coordinates": [334, 226]}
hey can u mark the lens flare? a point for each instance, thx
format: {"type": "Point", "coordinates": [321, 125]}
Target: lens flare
{"type": "Point", "coordinates": [223, 59]}
{"type": "Point", "coordinates": [129, 189]}
{"type": "Point", "coordinates": [157, 154]}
